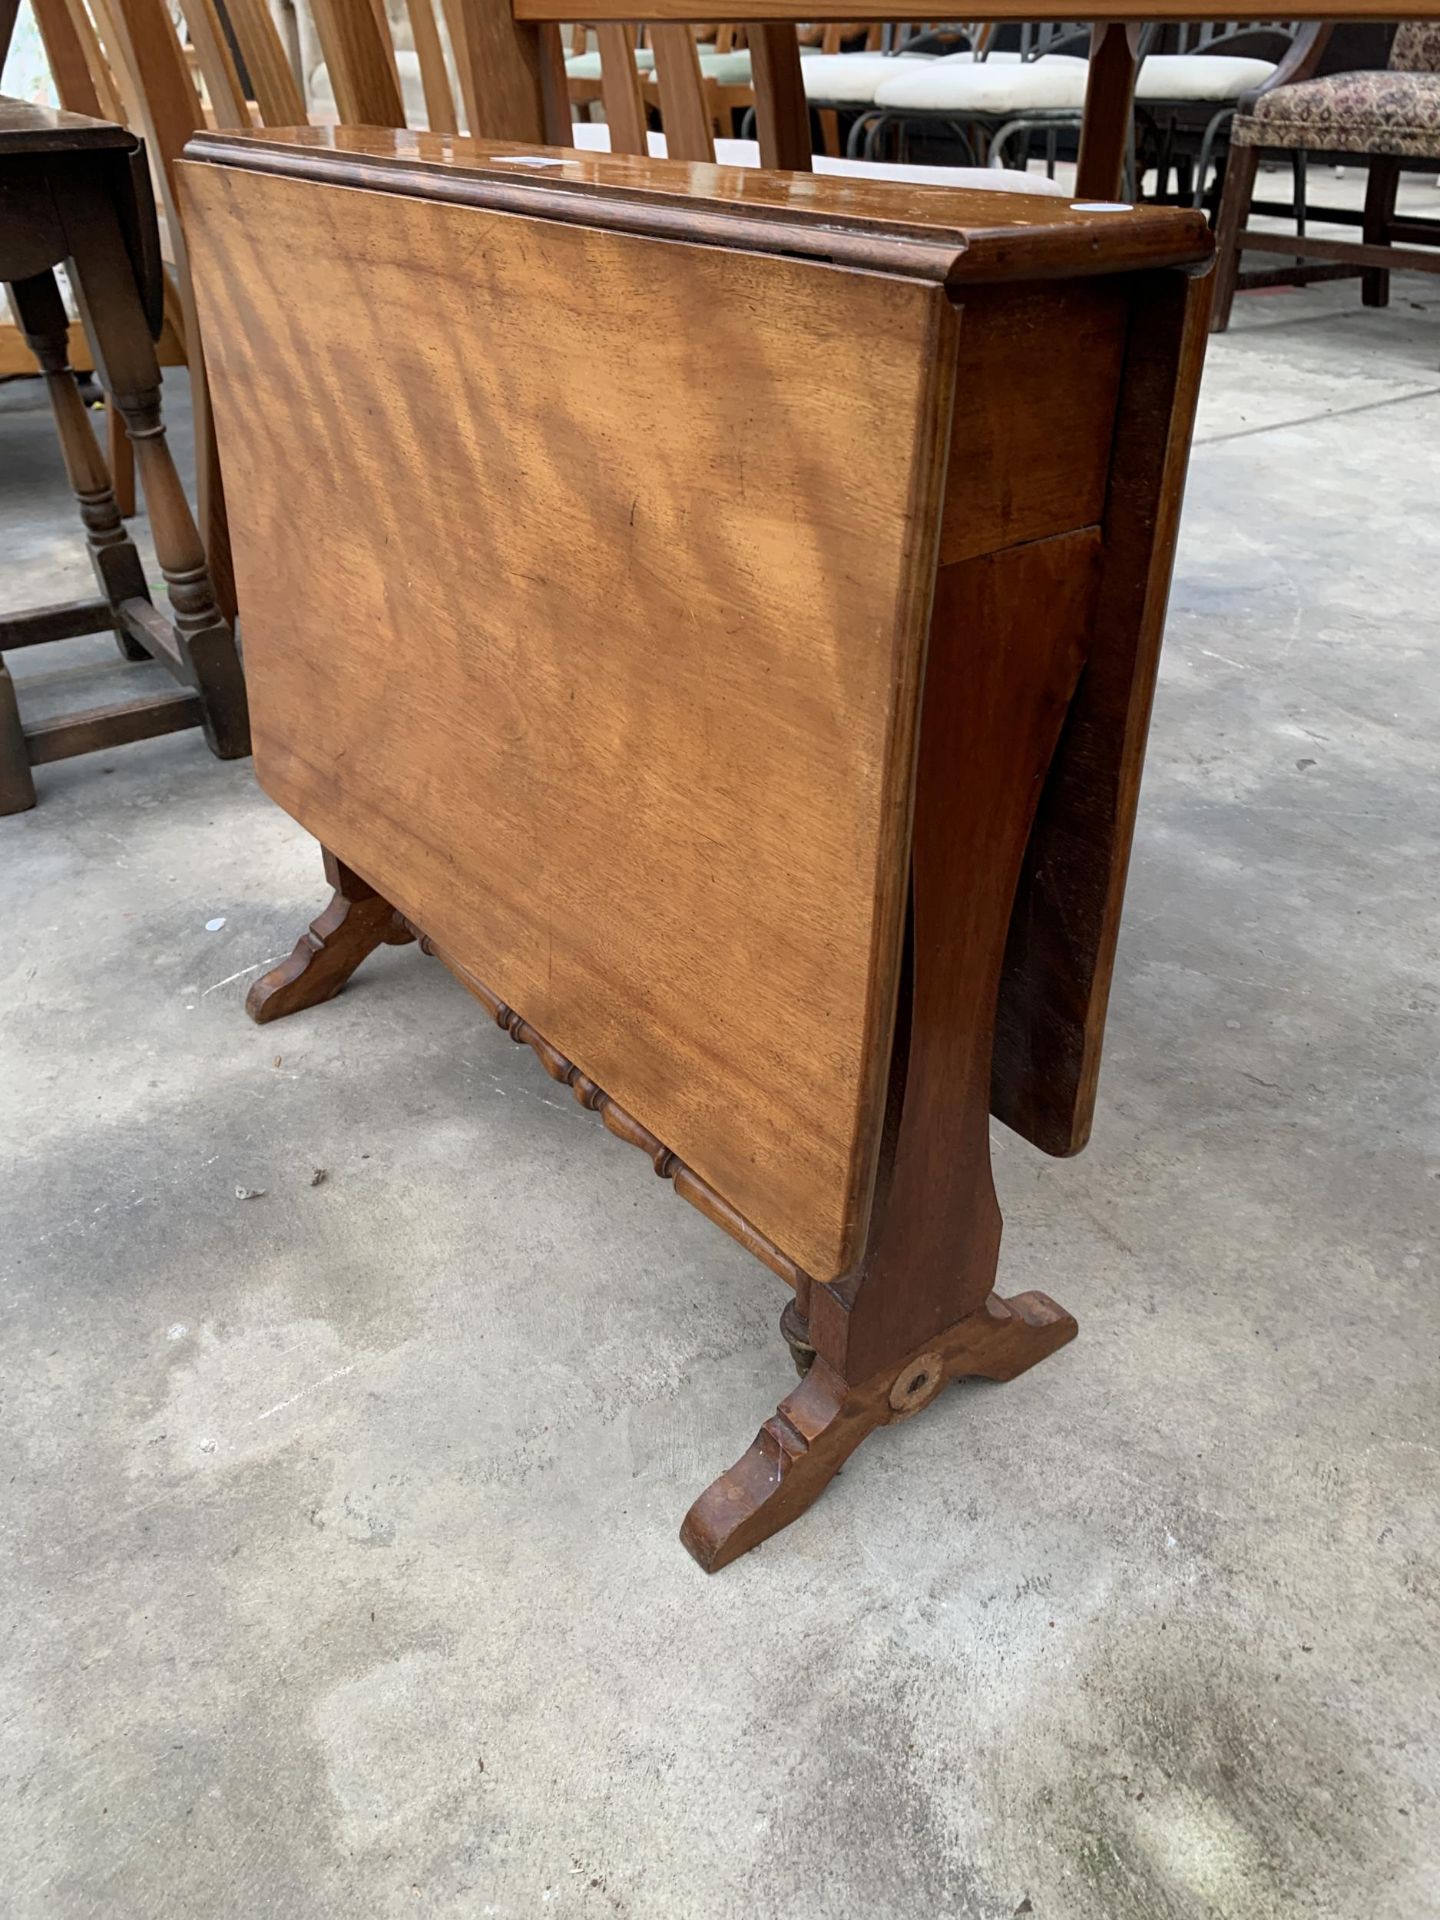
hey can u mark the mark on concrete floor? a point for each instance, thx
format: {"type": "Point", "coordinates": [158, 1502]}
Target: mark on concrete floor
{"type": "Point", "coordinates": [222, 1386]}
{"type": "Point", "coordinates": [239, 976]}
{"type": "Point", "coordinates": [391, 1751]}
{"type": "Point", "coordinates": [1218, 1787]}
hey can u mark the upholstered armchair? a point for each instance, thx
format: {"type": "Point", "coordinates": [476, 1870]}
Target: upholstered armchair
{"type": "Point", "coordinates": [1388, 118]}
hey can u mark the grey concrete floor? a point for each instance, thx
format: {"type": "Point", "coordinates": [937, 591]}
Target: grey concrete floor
{"type": "Point", "coordinates": [340, 1572]}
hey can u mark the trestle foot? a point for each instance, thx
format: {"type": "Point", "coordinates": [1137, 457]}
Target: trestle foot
{"type": "Point", "coordinates": [355, 923]}
{"type": "Point", "coordinates": [801, 1448]}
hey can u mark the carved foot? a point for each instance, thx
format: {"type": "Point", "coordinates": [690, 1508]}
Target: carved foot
{"type": "Point", "coordinates": [356, 921]}
{"type": "Point", "coordinates": [802, 1447]}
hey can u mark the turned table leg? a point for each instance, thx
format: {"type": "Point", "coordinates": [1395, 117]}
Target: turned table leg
{"type": "Point", "coordinates": [355, 923]}
{"type": "Point", "coordinates": [112, 552]}
{"type": "Point", "coordinates": [120, 458]}
{"type": "Point", "coordinates": [125, 360]}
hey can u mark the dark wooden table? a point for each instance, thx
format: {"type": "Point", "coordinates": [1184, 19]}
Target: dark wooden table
{"type": "Point", "coordinates": [75, 192]}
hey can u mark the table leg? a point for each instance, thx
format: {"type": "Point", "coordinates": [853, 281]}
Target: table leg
{"type": "Point", "coordinates": [920, 1309]}
{"type": "Point", "coordinates": [17, 784]}
{"type": "Point", "coordinates": [120, 458]}
{"type": "Point", "coordinates": [355, 923]}
{"type": "Point", "coordinates": [811, 1435]}
{"type": "Point", "coordinates": [104, 281]}
{"type": "Point", "coordinates": [112, 552]}
{"type": "Point", "coordinates": [1109, 107]}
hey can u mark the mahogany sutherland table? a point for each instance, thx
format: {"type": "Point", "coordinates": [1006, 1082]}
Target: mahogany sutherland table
{"type": "Point", "coordinates": [717, 613]}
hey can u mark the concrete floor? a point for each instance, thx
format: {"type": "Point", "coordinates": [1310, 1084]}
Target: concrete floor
{"type": "Point", "coordinates": [340, 1568]}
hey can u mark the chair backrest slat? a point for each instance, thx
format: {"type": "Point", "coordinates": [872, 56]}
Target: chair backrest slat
{"type": "Point", "coordinates": [277, 92]}
{"type": "Point", "coordinates": [73, 63]}
{"type": "Point", "coordinates": [217, 64]}
{"type": "Point", "coordinates": [512, 77]}
{"type": "Point", "coordinates": [147, 59]}
{"type": "Point", "coordinates": [434, 78]}
{"type": "Point", "coordinates": [782, 119]}
{"type": "Point", "coordinates": [682, 96]}
{"type": "Point", "coordinates": [620, 89]}
{"type": "Point", "coordinates": [360, 59]}
{"type": "Point", "coordinates": [454, 12]}
{"type": "Point", "coordinates": [782, 114]}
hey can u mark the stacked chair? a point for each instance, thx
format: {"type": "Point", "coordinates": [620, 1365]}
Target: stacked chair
{"type": "Point", "coordinates": [681, 72]}
{"type": "Point", "coordinates": [1031, 81]}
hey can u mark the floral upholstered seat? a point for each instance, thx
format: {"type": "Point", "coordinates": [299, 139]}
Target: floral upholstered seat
{"type": "Point", "coordinates": [1396, 111]}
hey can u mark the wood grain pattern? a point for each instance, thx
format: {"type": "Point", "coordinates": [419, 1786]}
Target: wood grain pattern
{"type": "Point", "coordinates": [1039, 376]}
{"type": "Point", "coordinates": [784, 818]}
{"type": "Point", "coordinates": [666, 1163]}
{"type": "Point", "coordinates": [217, 64]}
{"type": "Point", "coordinates": [69, 58]}
{"type": "Point", "coordinates": [434, 79]}
{"type": "Point", "coordinates": [664, 647]}
{"type": "Point", "coordinates": [1009, 635]}
{"type": "Point", "coordinates": [503, 73]}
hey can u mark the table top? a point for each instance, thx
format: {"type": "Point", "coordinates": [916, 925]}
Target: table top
{"type": "Point", "coordinates": [945, 234]}
{"type": "Point", "coordinates": [26, 128]}
{"type": "Point", "coordinates": [587, 582]}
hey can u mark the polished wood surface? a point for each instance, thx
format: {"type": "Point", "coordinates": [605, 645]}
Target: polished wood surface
{"type": "Point", "coordinates": [29, 129]}
{"type": "Point", "coordinates": [702, 635]}
{"type": "Point", "coordinates": [752, 794]}
{"type": "Point", "coordinates": [949, 234]}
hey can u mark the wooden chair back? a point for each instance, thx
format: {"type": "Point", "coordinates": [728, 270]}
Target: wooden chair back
{"type": "Point", "coordinates": [360, 60]}
{"type": "Point", "coordinates": [82, 75]}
